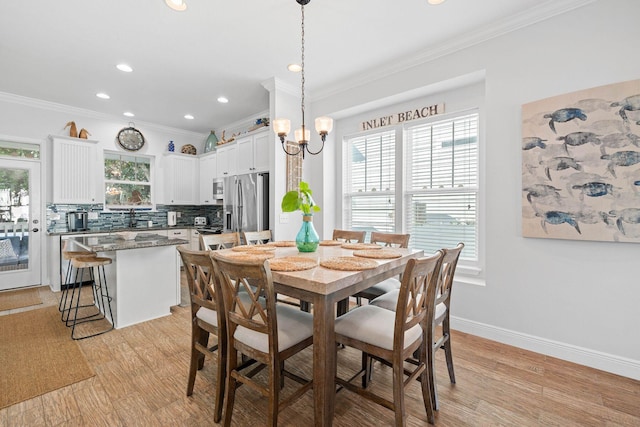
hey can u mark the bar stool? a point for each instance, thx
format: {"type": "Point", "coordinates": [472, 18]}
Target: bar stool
{"type": "Point", "coordinates": [62, 305]}
{"type": "Point", "coordinates": [102, 300]}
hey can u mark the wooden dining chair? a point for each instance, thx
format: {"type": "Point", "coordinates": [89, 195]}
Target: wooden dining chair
{"type": "Point", "coordinates": [393, 337]}
{"type": "Point", "coordinates": [219, 241]}
{"type": "Point", "coordinates": [256, 237]}
{"type": "Point", "coordinates": [441, 315]}
{"type": "Point", "coordinates": [207, 317]}
{"type": "Point", "coordinates": [390, 240]}
{"type": "Point", "coordinates": [265, 332]}
{"type": "Point", "coordinates": [349, 236]}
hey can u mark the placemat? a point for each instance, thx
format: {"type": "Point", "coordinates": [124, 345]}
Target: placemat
{"type": "Point", "coordinates": [253, 248]}
{"type": "Point", "coordinates": [360, 246]}
{"type": "Point", "coordinates": [292, 263]}
{"type": "Point", "coordinates": [330, 243]}
{"type": "Point", "coordinates": [348, 263]}
{"type": "Point", "coordinates": [378, 253]}
{"type": "Point", "coordinates": [282, 244]}
{"type": "Point", "coordinates": [248, 256]}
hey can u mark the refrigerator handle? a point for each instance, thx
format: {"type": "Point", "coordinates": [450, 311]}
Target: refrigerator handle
{"type": "Point", "coordinates": [239, 205]}
{"type": "Point", "coordinates": [259, 201]}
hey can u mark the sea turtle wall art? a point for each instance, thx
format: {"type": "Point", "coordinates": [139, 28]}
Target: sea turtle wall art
{"type": "Point", "coordinates": [581, 165]}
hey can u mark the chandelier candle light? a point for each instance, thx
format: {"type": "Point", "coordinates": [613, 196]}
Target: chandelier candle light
{"type": "Point", "coordinates": [323, 124]}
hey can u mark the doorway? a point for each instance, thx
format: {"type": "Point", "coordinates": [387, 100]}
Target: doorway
{"type": "Point", "coordinates": [20, 218]}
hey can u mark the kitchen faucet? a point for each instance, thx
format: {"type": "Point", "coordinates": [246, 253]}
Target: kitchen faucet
{"type": "Point", "coordinates": [132, 218]}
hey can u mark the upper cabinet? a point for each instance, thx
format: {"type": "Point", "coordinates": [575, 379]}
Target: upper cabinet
{"type": "Point", "coordinates": [227, 160]}
{"type": "Point", "coordinates": [253, 152]}
{"type": "Point", "coordinates": [75, 171]}
{"type": "Point", "coordinates": [208, 174]}
{"type": "Point", "coordinates": [181, 179]}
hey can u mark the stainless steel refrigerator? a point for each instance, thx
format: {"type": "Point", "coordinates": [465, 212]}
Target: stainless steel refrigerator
{"type": "Point", "coordinates": [246, 202]}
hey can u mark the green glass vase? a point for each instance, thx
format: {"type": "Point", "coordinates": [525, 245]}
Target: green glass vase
{"type": "Point", "coordinates": [211, 142]}
{"type": "Point", "coordinates": [307, 239]}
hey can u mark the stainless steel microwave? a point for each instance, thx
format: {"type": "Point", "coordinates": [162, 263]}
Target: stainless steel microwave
{"type": "Point", "coordinates": [218, 190]}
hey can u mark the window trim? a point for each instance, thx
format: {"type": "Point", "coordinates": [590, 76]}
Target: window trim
{"type": "Point", "coordinates": [152, 190]}
{"type": "Point", "coordinates": [470, 272]}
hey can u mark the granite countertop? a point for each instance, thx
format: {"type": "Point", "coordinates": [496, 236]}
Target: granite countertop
{"type": "Point", "coordinates": [117, 243]}
{"type": "Point", "coordinates": [141, 230]}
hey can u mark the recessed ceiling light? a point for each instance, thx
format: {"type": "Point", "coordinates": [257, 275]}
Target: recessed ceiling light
{"type": "Point", "coordinates": [124, 67]}
{"type": "Point", "coordinates": [189, 117]}
{"type": "Point", "coordinates": [102, 95]}
{"type": "Point", "coordinates": [294, 68]}
{"type": "Point", "coordinates": [178, 5]}
{"type": "Point", "coordinates": [128, 114]}
{"type": "Point", "coordinates": [222, 100]}
{"type": "Point", "coordinates": [435, 1]}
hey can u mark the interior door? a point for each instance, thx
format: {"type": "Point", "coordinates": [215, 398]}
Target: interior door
{"type": "Point", "coordinates": [20, 223]}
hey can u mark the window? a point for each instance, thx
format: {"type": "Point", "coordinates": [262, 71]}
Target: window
{"type": "Point", "coordinates": [442, 184]}
{"type": "Point", "coordinates": [370, 182]}
{"type": "Point", "coordinates": [439, 162]}
{"type": "Point", "coordinates": [127, 181]}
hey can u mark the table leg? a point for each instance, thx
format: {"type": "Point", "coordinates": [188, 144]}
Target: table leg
{"type": "Point", "coordinates": [324, 361]}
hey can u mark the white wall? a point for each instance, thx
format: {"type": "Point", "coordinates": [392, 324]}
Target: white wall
{"type": "Point", "coordinates": [571, 299]}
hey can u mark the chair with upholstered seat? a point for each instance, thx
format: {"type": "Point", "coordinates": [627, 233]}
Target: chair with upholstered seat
{"type": "Point", "coordinates": [393, 337]}
{"type": "Point", "coordinates": [349, 236]}
{"type": "Point", "coordinates": [207, 317]}
{"type": "Point", "coordinates": [218, 241]}
{"type": "Point", "coordinates": [256, 237]}
{"type": "Point", "coordinates": [267, 333]}
{"type": "Point", "coordinates": [389, 240]}
{"type": "Point", "coordinates": [441, 315]}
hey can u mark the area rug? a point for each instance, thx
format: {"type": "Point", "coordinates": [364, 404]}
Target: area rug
{"type": "Point", "coordinates": [20, 298]}
{"type": "Point", "coordinates": [37, 355]}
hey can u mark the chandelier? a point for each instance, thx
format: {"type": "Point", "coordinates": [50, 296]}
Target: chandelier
{"type": "Point", "coordinates": [302, 136]}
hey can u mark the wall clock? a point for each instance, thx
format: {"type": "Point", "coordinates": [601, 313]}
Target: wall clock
{"type": "Point", "coordinates": [130, 138]}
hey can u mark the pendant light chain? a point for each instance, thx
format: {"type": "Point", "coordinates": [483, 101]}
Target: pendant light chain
{"type": "Point", "coordinates": [323, 124]}
{"type": "Point", "coordinates": [302, 71]}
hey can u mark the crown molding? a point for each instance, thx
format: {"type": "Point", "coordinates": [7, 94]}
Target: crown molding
{"type": "Point", "coordinates": [275, 84]}
{"type": "Point", "coordinates": [546, 10]}
{"type": "Point", "coordinates": [75, 111]}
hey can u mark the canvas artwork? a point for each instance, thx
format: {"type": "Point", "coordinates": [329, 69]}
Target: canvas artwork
{"type": "Point", "coordinates": [581, 165]}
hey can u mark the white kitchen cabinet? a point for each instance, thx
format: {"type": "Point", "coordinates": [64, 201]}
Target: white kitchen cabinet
{"type": "Point", "coordinates": [227, 160]}
{"type": "Point", "coordinates": [253, 152]}
{"type": "Point", "coordinates": [195, 240]}
{"type": "Point", "coordinates": [76, 171]}
{"type": "Point", "coordinates": [180, 233]}
{"type": "Point", "coordinates": [181, 179]}
{"type": "Point", "coordinates": [208, 173]}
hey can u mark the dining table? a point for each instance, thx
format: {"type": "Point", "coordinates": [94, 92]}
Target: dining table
{"type": "Point", "coordinates": [324, 288]}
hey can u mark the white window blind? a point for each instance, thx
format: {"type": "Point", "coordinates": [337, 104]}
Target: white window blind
{"type": "Point", "coordinates": [369, 186]}
{"type": "Point", "coordinates": [442, 184]}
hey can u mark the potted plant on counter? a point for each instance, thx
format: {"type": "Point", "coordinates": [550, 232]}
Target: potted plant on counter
{"type": "Point", "coordinates": [307, 239]}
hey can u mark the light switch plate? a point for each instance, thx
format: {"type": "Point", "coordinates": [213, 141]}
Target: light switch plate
{"type": "Point", "coordinates": [284, 218]}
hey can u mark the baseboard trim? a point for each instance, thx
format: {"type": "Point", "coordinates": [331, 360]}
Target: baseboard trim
{"type": "Point", "coordinates": [595, 359]}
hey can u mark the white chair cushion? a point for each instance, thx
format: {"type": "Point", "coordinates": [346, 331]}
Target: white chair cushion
{"type": "Point", "coordinates": [211, 316]}
{"type": "Point", "coordinates": [294, 326]}
{"type": "Point", "coordinates": [208, 315]}
{"type": "Point", "coordinates": [373, 325]}
{"type": "Point", "coordinates": [389, 301]}
{"type": "Point", "coordinates": [385, 286]}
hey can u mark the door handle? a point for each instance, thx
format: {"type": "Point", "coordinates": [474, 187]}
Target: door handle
{"type": "Point", "coordinates": [35, 230]}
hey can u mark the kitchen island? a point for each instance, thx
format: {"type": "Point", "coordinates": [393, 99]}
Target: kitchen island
{"type": "Point", "coordinates": [143, 278]}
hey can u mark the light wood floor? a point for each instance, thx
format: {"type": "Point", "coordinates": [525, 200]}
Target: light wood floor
{"type": "Point", "coordinates": [141, 380]}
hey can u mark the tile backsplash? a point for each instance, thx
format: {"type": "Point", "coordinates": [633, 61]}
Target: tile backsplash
{"type": "Point", "coordinates": [57, 216]}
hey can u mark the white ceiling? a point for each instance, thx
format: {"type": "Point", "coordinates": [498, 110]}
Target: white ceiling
{"type": "Point", "coordinates": [65, 51]}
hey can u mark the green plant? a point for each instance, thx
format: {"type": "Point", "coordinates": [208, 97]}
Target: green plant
{"type": "Point", "coordinates": [300, 199]}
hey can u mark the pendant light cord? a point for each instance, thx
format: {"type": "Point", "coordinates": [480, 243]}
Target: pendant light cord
{"type": "Point", "coordinates": [302, 71]}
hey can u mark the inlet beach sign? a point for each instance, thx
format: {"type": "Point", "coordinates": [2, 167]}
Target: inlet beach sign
{"type": "Point", "coordinates": [404, 116]}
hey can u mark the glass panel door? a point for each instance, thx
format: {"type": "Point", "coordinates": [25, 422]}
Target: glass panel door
{"type": "Point", "coordinates": [20, 223]}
